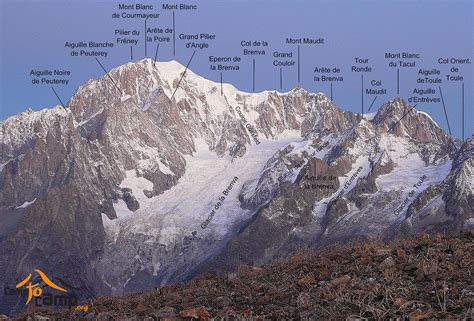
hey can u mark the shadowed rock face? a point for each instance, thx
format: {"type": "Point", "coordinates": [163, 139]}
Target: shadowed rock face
{"type": "Point", "coordinates": [448, 205]}
{"type": "Point", "coordinates": [418, 126]}
{"type": "Point", "coordinates": [62, 169]}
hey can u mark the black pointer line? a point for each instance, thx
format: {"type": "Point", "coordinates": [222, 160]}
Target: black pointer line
{"type": "Point", "coordinates": [444, 107]}
{"type": "Point", "coordinates": [3, 138]}
{"type": "Point", "coordinates": [281, 79]}
{"type": "Point", "coordinates": [109, 76]}
{"type": "Point", "coordinates": [179, 82]}
{"type": "Point", "coordinates": [156, 53]}
{"type": "Point", "coordinates": [373, 101]}
{"type": "Point", "coordinates": [362, 94]}
{"type": "Point", "coordinates": [299, 78]}
{"type": "Point", "coordinates": [145, 40]}
{"type": "Point", "coordinates": [174, 37]}
{"type": "Point", "coordinates": [462, 108]}
{"type": "Point", "coordinates": [253, 75]}
{"type": "Point", "coordinates": [373, 137]}
{"type": "Point", "coordinates": [57, 96]}
{"type": "Point", "coordinates": [401, 118]}
{"type": "Point", "coordinates": [398, 81]}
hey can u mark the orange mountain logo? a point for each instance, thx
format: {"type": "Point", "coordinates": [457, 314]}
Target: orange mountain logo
{"type": "Point", "coordinates": [34, 290]}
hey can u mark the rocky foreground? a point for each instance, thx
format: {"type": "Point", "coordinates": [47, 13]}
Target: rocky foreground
{"type": "Point", "coordinates": [430, 276]}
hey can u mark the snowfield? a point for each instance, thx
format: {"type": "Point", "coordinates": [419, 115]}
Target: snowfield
{"type": "Point", "coordinates": [176, 213]}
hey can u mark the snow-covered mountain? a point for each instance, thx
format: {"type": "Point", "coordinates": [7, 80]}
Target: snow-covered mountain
{"type": "Point", "coordinates": [127, 189]}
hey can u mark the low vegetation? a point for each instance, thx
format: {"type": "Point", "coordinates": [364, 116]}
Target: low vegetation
{"type": "Point", "coordinates": [427, 277]}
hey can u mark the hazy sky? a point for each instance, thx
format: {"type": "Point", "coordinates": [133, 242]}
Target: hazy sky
{"type": "Point", "coordinates": [33, 34]}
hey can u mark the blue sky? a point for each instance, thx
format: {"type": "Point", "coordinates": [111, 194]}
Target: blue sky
{"type": "Point", "coordinates": [33, 34]}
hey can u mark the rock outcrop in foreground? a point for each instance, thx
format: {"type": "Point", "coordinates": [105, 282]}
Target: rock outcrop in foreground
{"type": "Point", "coordinates": [429, 276]}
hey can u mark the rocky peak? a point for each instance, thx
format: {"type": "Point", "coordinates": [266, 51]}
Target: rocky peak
{"type": "Point", "coordinates": [405, 120]}
{"type": "Point", "coordinates": [466, 151]}
{"type": "Point", "coordinates": [22, 130]}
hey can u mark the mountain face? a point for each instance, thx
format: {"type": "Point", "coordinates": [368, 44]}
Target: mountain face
{"type": "Point", "coordinates": [127, 189]}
